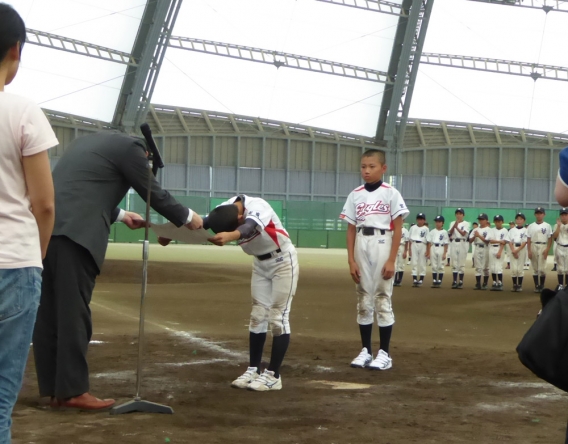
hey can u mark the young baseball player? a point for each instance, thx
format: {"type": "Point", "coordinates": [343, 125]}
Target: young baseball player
{"type": "Point", "coordinates": [458, 247]}
{"type": "Point", "coordinates": [508, 247]}
{"type": "Point", "coordinates": [498, 238]}
{"type": "Point", "coordinates": [417, 237]}
{"type": "Point", "coordinates": [374, 212]}
{"type": "Point", "coordinates": [479, 237]}
{"type": "Point", "coordinates": [401, 258]}
{"type": "Point", "coordinates": [473, 227]}
{"type": "Point", "coordinates": [252, 222]}
{"type": "Point", "coordinates": [436, 250]}
{"type": "Point", "coordinates": [561, 254]}
{"type": "Point", "coordinates": [518, 242]}
{"type": "Point", "coordinates": [539, 240]}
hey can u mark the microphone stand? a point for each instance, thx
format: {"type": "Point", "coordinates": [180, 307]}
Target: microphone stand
{"type": "Point", "coordinates": [138, 404]}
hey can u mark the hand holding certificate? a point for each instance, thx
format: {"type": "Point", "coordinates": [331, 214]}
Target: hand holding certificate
{"type": "Point", "coordinates": [182, 234]}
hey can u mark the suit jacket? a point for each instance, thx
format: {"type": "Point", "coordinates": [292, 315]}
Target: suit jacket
{"type": "Point", "coordinates": [91, 179]}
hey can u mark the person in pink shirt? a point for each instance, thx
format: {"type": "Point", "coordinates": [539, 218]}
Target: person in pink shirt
{"type": "Point", "coordinates": [26, 215]}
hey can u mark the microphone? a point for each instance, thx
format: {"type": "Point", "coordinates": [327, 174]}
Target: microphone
{"type": "Point", "coordinates": [156, 157]}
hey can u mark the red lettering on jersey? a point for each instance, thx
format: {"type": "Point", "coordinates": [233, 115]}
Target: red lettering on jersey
{"type": "Point", "coordinates": [364, 209]}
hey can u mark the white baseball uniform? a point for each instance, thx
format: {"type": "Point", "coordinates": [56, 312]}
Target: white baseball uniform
{"type": "Point", "coordinates": [539, 235]}
{"type": "Point", "coordinates": [481, 251]}
{"type": "Point", "coordinates": [373, 209]}
{"type": "Point", "coordinates": [518, 237]}
{"type": "Point", "coordinates": [459, 247]}
{"type": "Point", "coordinates": [496, 263]}
{"type": "Point", "coordinates": [275, 268]}
{"type": "Point", "coordinates": [400, 261]}
{"type": "Point", "coordinates": [562, 250]}
{"type": "Point", "coordinates": [438, 239]}
{"type": "Point", "coordinates": [417, 236]}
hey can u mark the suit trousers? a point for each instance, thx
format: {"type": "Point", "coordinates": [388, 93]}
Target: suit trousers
{"type": "Point", "coordinates": [63, 327]}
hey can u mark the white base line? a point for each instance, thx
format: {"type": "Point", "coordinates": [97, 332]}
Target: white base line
{"type": "Point", "coordinates": [191, 338]}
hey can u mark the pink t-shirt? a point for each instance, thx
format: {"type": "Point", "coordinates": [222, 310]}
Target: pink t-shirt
{"type": "Point", "coordinates": [24, 131]}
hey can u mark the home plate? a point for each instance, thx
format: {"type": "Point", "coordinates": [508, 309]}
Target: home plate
{"type": "Point", "coordinates": [338, 385]}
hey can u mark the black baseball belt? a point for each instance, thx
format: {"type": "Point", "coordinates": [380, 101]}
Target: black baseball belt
{"type": "Point", "coordinates": [263, 257]}
{"type": "Point", "coordinates": [540, 243]}
{"type": "Point", "coordinates": [459, 240]}
{"type": "Point", "coordinates": [418, 242]}
{"type": "Point", "coordinates": [479, 245]}
{"type": "Point", "coordinates": [370, 231]}
{"type": "Point", "coordinates": [438, 245]}
{"type": "Point", "coordinates": [518, 245]}
{"type": "Point", "coordinates": [560, 245]}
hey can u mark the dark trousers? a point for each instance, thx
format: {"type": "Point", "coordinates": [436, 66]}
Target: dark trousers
{"type": "Point", "coordinates": [63, 326]}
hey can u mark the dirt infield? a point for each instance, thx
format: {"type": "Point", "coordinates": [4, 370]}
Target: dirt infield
{"type": "Point", "coordinates": [455, 379]}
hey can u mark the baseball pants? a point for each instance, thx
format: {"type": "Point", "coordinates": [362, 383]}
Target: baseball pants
{"type": "Point", "coordinates": [400, 262]}
{"type": "Point", "coordinates": [518, 265]}
{"type": "Point", "coordinates": [458, 255]}
{"type": "Point", "coordinates": [538, 262]}
{"type": "Point", "coordinates": [418, 258]}
{"type": "Point", "coordinates": [496, 263]}
{"type": "Point", "coordinates": [373, 292]}
{"type": "Point", "coordinates": [436, 258]}
{"type": "Point", "coordinates": [273, 286]}
{"type": "Point", "coordinates": [561, 257]}
{"type": "Point", "coordinates": [481, 260]}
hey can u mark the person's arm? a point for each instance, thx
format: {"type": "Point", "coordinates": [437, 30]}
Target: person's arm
{"type": "Point", "coordinates": [353, 267]}
{"type": "Point", "coordinates": [242, 232]}
{"type": "Point", "coordinates": [557, 230]}
{"type": "Point", "coordinates": [453, 228]}
{"type": "Point", "coordinates": [445, 252]}
{"type": "Point", "coordinates": [39, 183]}
{"type": "Point", "coordinates": [388, 268]}
{"type": "Point", "coordinates": [548, 245]}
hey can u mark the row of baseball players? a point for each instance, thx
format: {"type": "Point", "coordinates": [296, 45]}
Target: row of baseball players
{"type": "Point", "coordinates": [489, 247]}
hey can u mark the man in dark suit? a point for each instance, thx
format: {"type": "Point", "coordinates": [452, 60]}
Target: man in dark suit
{"type": "Point", "coordinates": [90, 180]}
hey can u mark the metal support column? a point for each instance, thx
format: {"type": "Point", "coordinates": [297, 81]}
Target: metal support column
{"type": "Point", "coordinates": [148, 52]}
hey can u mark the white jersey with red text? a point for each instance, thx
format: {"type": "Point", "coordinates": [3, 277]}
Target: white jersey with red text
{"type": "Point", "coordinates": [275, 268]}
{"type": "Point", "coordinates": [539, 235]}
{"type": "Point", "coordinates": [375, 209]}
{"type": "Point", "coordinates": [438, 239]}
{"type": "Point", "coordinates": [518, 237]}
{"type": "Point", "coordinates": [561, 253]}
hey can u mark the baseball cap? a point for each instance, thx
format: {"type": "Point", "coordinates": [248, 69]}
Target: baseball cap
{"type": "Point", "coordinates": [482, 216]}
{"type": "Point", "coordinates": [223, 218]}
{"type": "Point", "coordinates": [539, 210]}
{"type": "Point", "coordinates": [439, 219]}
{"type": "Point", "coordinates": [420, 216]}
{"type": "Point", "coordinates": [564, 211]}
{"type": "Point", "coordinates": [459, 210]}
{"type": "Point", "coordinates": [520, 215]}
{"type": "Point", "coordinates": [498, 217]}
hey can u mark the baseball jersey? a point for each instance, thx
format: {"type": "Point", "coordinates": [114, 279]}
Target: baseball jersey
{"type": "Point", "coordinates": [374, 208]}
{"type": "Point", "coordinates": [482, 231]}
{"type": "Point", "coordinates": [499, 234]}
{"type": "Point", "coordinates": [404, 238]}
{"type": "Point", "coordinates": [269, 235]}
{"type": "Point", "coordinates": [464, 226]}
{"type": "Point", "coordinates": [563, 235]}
{"type": "Point", "coordinates": [518, 235]}
{"type": "Point", "coordinates": [417, 233]}
{"type": "Point", "coordinates": [438, 237]}
{"type": "Point", "coordinates": [539, 232]}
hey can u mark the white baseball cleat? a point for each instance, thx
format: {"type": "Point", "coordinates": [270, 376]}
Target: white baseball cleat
{"type": "Point", "coordinates": [363, 360]}
{"type": "Point", "coordinates": [382, 362]}
{"type": "Point", "coordinates": [246, 378]}
{"type": "Point", "coordinates": [265, 382]}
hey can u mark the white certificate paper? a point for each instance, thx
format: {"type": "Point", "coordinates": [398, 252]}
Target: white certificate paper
{"type": "Point", "coordinates": [183, 234]}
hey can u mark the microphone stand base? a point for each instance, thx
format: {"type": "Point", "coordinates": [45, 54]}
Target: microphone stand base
{"type": "Point", "coordinates": [138, 405]}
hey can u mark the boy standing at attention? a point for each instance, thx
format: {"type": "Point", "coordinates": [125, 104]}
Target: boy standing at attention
{"type": "Point", "coordinates": [417, 237]}
{"type": "Point", "coordinates": [539, 240]}
{"type": "Point", "coordinates": [26, 215]}
{"type": "Point", "coordinates": [374, 212]}
{"type": "Point", "coordinates": [479, 237]}
{"type": "Point", "coordinates": [437, 250]}
{"type": "Point", "coordinates": [518, 241]}
{"type": "Point", "coordinates": [458, 248]}
{"type": "Point", "coordinates": [498, 238]}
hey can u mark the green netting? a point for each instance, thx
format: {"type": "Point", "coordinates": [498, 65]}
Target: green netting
{"type": "Point", "coordinates": [306, 215]}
